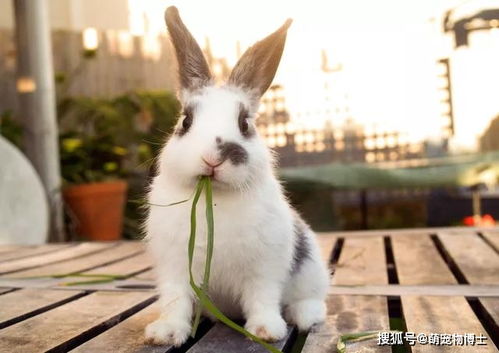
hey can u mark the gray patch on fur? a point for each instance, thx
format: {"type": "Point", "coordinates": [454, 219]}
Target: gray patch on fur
{"type": "Point", "coordinates": [234, 152]}
{"type": "Point", "coordinates": [192, 66]}
{"type": "Point", "coordinates": [302, 248]}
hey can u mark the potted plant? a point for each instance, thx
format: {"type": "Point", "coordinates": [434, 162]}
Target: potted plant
{"type": "Point", "coordinates": [107, 146]}
{"type": "Point", "coordinates": [93, 152]}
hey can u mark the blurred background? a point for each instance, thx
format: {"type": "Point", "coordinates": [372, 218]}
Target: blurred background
{"type": "Point", "coordinates": [384, 114]}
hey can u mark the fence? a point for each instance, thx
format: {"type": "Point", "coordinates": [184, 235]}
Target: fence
{"type": "Point", "coordinates": [121, 63]}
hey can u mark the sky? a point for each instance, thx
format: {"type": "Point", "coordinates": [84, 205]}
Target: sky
{"type": "Point", "coordinates": [387, 48]}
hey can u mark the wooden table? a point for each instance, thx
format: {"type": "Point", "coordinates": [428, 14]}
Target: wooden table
{"type": "Point", "coordinates": [442, 281]}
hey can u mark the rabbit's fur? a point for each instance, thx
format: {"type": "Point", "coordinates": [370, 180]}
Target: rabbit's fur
{"type": "Point", "coordinates": [266, 260]}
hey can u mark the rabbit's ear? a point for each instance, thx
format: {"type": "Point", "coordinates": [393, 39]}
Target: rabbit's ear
{"type": "Point", "coordinates": [257, 67]}
{"type": "Point", "coordinates": [192, 66]}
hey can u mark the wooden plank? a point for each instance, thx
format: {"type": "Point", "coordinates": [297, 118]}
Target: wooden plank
{"type": "Point", "coordinates": [442, 315]}
{"type": "Point", "coordinates": [56, 283]}
{"type": "Point", "coordinates": [326, 244]}
{"type": "Point", "coordinates": [53, 257]}
{"type": "Point", "coordinates": [406, 231]}
{"type": "Point", "coordinates": [26, 251]}
{"type": "Point", "coordinates": [42, 282]}
{"type": "Point", "coordinates": [22, 303]}
{"type": "Point", "coordinates": [348, 314]}
{"type": "Point", "coordinates": [223, 339]}
{"type": "Point", "coordinates": [61, 326]}
{"type": "Point", "coordinates": [5, 290]}
{"type": "Point", "coordinates": [478, 262]}
{"type": "Point", "coordinates": [127, 336]}
{"type": "Point", "coordinates": [362, 261]}
{"type": "Point", "coordinates": [418, 261]}
{"type": "Point", "coordinates": [493, 237]}
{"type": "Point", "coordinates": [126, 267]}
{"type": "Point", "coordinates": [492, 307]}
{"type": "Point", "coordinates": [83, 263]}
{"type": "Point", "coordinates": [9, 247]}
{"type": "Point", "coordinates": [437, 290]}
{"type": "Point", "coordinates": [146, 276]}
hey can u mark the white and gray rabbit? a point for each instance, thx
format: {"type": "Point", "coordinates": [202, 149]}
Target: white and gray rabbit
{"type": "Point", "coordinates": [266, 261]}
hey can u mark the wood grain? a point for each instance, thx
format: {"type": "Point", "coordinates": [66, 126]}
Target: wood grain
{"type": "Point", "coordinates": [20, 253]}
{"type": "Point", "coordinates": [493, 237]}
{"type": "Point", "coordinates": [53, 257]}
{"type": "Point", "coordinates": [149, 275]}
{"type": "Point", "coordinates": [5, 290]}
{"type": "Point", "coordinates": [418, 261]}
{"type": "Point", "coordinates": [478, 262]}
{"type": "Point", "coordinates": [435, 289]}
{"type": "Point", "coordinates": [127, 336]}
{"type": "Point", "coordinates": [56, 327]}
{"type": "Point", "coordinates": [442, 315]}
{"type": "Point", "coordinates": [407, 231]}
{"type": "Point", "coordinates": [223, 339]}
{"type": "Point", "coordinates": [83, 263]}
{"type": "Point", "coordinates": [492, 307]}
{"type": "Point", "coordinates": [22, 303]}
{"type": "Point", "coordinates": [362, 261]}
{"type": "Point", "coordinates": [126, 267]}
{"type": "Point", "coordinates": [9, 247]}
{"type": "Point", "coordinates": [350, 314]}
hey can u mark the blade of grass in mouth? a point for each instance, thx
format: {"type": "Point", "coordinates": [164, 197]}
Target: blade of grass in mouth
{"type": "Point", "coordinates": [192, 242]}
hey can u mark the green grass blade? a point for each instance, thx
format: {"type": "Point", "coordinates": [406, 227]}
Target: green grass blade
{"type": "Point", "coordinates": [91, 275]}
{"type": "Point", "coordinates": [355, 337]}
{"type": "Point", "coordinates": [143, 202]}
{"type": "Point", "coordinates": [77, 274]}
{"type": "Point", "coordinates": [210, 227]}
{"type": "Point", "coordinates": [192, 243]}
{"type": "Point", "coordinates": [209, 250]}
{"type": "Point", "coordinates": [92, 281]}
{"type": "Point", "coordinates": [359, 336]}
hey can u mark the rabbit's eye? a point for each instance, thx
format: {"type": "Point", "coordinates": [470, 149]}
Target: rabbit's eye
{"type": "Point", "coordinates": [187, 122]}
{"type": "Point", "coordinates": [244, 125]}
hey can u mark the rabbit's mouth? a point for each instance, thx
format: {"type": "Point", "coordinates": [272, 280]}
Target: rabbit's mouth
{"type": "Point", "coordinates": [209, 172]}
{"type": "Point", "coordinates": [212, 170]}
{"type": "Point", "coordinates": [217, 179]}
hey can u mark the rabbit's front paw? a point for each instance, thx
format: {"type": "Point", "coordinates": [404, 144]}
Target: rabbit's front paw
{"type": "Point", "coordinates": [268, 327]}
{"type": "Point", "coordinates": [167, 332]}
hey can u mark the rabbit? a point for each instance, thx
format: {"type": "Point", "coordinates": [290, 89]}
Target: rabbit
{"type": "Point", "coordinates": [266, 261]}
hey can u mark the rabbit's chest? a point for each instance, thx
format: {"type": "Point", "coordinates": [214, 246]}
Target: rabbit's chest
{"type": "Point", "coordinates": [235, 246]}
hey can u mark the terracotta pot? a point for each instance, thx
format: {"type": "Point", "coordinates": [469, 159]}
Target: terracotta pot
{"type": "Point", "coordinates": [98, 208]}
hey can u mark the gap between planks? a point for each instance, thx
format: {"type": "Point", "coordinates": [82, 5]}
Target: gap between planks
{"type": "Point", "coordinates": [73, 323]}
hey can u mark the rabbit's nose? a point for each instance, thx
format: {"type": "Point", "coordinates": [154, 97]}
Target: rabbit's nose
{"type": "Point", "coordinates": [211, 163]}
